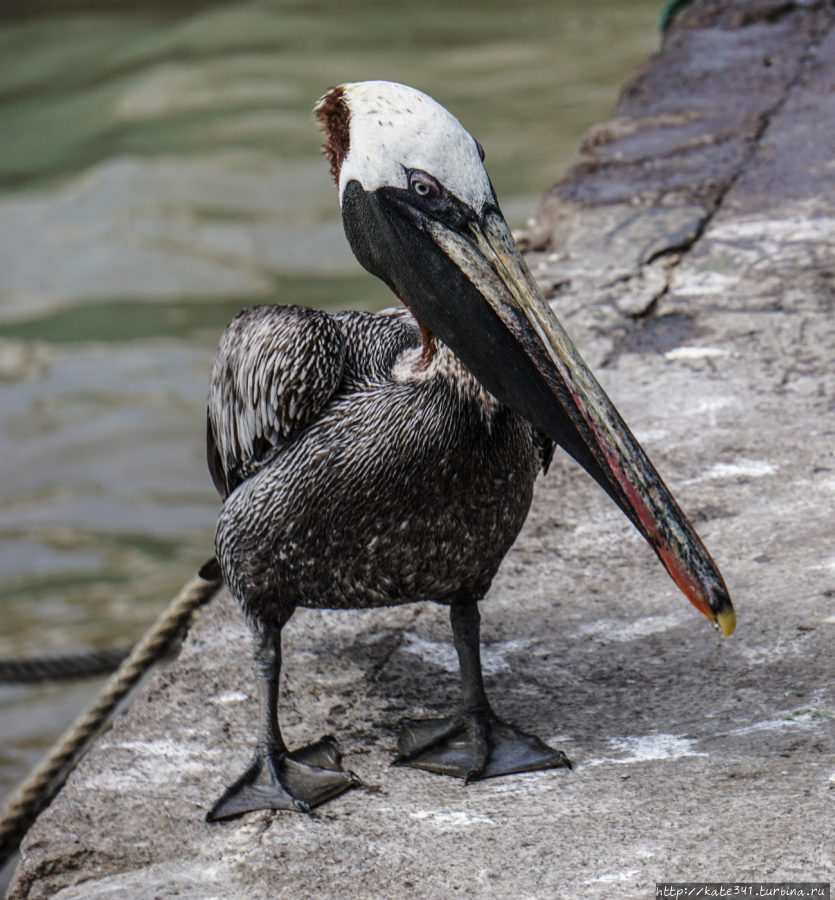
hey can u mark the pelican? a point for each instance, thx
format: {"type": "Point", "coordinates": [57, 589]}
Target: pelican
{"type": "Point", "coordinates": [375, 459]}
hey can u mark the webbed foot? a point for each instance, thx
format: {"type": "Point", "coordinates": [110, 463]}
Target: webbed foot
{"type": "Point", "coordinates": [297, 781]}
{"type": "Point", "coordinates": [473, 746]}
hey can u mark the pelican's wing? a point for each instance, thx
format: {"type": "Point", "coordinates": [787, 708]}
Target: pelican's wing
{"type": "Point", "coordinates": [275, 369]}
{"type": "Point", "coordinates": [374, 341]}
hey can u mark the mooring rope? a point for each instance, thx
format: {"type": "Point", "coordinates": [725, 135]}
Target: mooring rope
{"type": "Point", "coordinates": [58, 667]}
{"type": "Point", "coordinates": [43, 783]}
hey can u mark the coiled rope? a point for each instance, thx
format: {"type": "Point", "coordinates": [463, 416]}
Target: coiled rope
{"type": "Point", "coordinates": [43, 783]}
{"type": "Point", "coordinates": [83, 664]}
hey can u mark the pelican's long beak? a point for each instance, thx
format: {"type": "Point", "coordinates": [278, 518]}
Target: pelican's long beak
{"type": "Point", "coordinates": [464, 278]}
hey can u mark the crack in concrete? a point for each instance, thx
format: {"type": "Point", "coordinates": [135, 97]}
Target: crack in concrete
{"type": "Point", "coordinates": [680, 250]}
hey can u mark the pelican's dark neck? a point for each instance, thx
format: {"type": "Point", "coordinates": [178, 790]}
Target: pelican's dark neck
{"type": "Point", "coordinates": [430, 347]}
{"type": "Point", "coordinates": [434, 359]}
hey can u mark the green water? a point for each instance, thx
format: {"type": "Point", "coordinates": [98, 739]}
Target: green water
{"type": "Point", "coordinates": [160, 169]}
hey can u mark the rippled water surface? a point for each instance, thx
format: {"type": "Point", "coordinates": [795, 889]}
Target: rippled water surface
{"type": "Point", "coordinates": [159, 169]}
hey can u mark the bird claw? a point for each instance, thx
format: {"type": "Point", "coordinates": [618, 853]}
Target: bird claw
{"type": "Point", "coordinates": [295, 781]}
{"type": "Point", "coordinates": [473, 746]}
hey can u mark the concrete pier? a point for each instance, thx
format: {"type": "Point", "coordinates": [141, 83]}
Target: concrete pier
{"type": "Point", "coordinates": [690, 251]}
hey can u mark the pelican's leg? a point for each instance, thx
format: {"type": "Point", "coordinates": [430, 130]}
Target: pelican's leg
{"type": "Point", "coordinates": [475, 742]}
{"type": "Point", "coordinates": [278, 778]}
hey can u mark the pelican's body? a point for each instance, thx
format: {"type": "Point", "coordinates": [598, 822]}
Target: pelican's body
{"type": "Point", "coordinates": [371, 460]}
{"type": "Point", "coordinates": [409, 483]}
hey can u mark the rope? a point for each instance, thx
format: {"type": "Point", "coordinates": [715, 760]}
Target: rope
{"type": "Point", "coordinates": [43, 783]}
{"type": "Point", "coordinates": [81, 664]}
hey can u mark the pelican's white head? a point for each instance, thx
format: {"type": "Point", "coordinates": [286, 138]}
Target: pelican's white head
{"type": "Point", "coordinates": [376, 132]}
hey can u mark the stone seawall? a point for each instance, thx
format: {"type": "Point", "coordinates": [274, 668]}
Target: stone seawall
{"type": "Point", "coordinates": [690, 251]}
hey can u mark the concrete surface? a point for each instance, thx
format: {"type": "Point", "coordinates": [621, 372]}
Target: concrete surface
{"type": "Point", "coordinates": [691, 252]}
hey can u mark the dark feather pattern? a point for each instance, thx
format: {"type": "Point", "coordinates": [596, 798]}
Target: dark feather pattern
{"type": "Point", "coordinates": [275, 369]}
{"type": "Point", "coordinates": [355, 476]}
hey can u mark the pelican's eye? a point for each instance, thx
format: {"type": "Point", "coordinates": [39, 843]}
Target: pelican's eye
{"type": "Point", "coordinates": [423, 184]}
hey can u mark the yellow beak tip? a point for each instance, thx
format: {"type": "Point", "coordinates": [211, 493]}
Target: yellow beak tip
{"type": "Point", "coordinates": [726, 621]}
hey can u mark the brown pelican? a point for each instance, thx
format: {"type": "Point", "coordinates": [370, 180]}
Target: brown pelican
{"type": "Point", "coordinates": [377, 459]}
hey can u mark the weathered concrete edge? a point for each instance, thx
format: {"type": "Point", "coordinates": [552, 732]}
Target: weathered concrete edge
{"type": "Point", "coordinates": [636, 181]}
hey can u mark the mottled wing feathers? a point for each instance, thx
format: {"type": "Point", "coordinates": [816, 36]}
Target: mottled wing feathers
{"type": "Point", "coordinates": [373, 341]}
{"type": "Point", "coordinates": [275, 369]}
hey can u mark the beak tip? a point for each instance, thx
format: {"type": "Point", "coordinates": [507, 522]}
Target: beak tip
{"type": "Point", "coordinates": [719, 600]}
{"type": "Point", "coordinates": [725, 620]}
